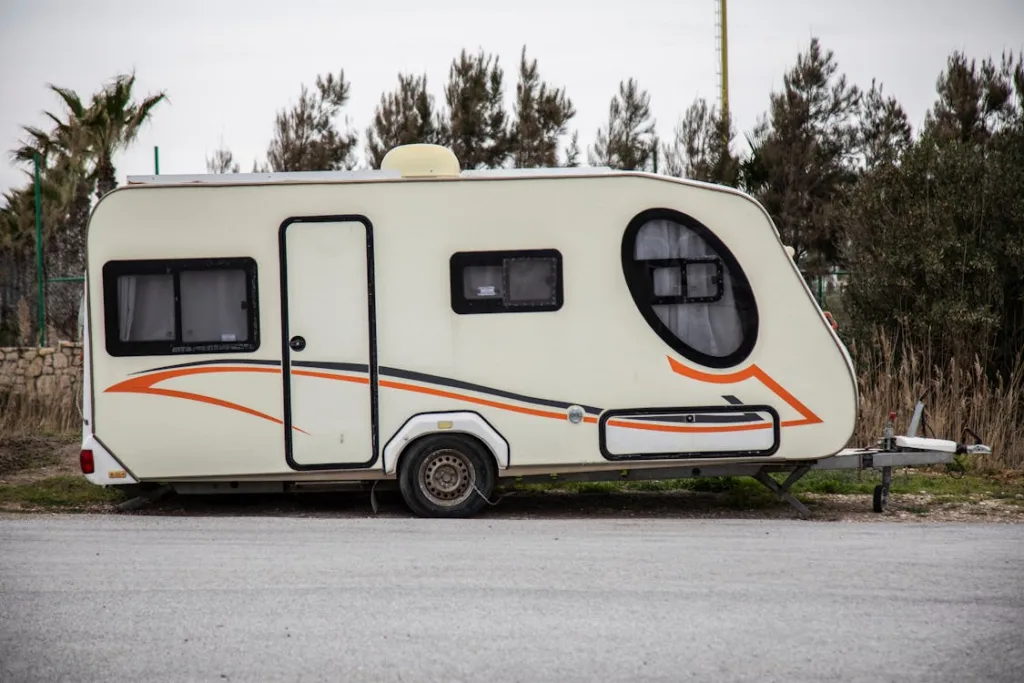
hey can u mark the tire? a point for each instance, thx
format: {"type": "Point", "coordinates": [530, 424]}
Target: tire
{"type": "Point", "coordinates": [444, 475]}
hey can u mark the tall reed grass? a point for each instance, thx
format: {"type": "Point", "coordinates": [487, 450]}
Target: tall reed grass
{"type": "Point", "coordinates": [23, 415]}
{"type": "Point", "coordinates": [893, 376]}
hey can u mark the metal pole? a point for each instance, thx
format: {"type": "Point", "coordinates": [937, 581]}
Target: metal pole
{"type": "Point", "coordinates": [725, 67]}
{"type": "Point", "coordinates": [41, 294]}
{"type": "Point", "coordinates": [156, 159]}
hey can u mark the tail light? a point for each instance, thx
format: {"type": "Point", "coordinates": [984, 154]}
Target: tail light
{"type": "Point", "coordinates": [86, 461]}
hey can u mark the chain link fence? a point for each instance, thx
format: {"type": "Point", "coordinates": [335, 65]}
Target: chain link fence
{"type": "Point", "coordinates": [23, 322]}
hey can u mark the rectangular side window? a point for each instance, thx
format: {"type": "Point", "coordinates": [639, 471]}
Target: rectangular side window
{"type": "Point", "coordinates": [528, 280]}
{"type": "Point", "coordinates": [180, 306]}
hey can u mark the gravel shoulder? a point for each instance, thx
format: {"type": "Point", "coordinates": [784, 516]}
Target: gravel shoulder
{"type": "Point", "coordinates": [40, 475]}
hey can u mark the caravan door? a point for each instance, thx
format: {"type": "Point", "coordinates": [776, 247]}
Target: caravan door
{"type": "Point", "coordinates": [328, 360]}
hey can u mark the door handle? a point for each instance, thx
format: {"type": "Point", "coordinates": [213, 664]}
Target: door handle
{"type": "Point", "coordinates": [297, 343]}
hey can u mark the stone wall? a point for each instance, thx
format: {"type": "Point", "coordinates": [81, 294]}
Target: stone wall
{"type": "Point", "coordinates": [47, 371]}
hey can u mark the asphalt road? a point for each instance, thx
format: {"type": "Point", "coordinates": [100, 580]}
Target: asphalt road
{"type": "Point", "coordinates": [97, 598]}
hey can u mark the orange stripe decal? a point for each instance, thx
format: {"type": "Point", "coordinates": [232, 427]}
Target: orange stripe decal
{"type": "Point", "coordinates": [144, 385]}
{"type": "Point", "coordinates": [751, 372]}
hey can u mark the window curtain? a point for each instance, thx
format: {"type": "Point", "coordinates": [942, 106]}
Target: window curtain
{"type": "Point", "coordinates": [145, 307]}
{"type": "Point", "coordinates": [710, 328]}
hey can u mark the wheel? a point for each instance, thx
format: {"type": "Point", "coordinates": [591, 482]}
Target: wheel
{"type": "Point", "coordinates": [446, 475]}
{"type": "Point", "coordinates": [881, 498]}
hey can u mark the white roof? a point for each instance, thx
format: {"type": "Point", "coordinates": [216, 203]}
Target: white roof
{"type": "Point", "coordinates": [344, 176]}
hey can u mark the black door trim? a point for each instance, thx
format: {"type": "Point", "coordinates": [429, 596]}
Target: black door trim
{"type": "Point", "coordinates": [286, 349]}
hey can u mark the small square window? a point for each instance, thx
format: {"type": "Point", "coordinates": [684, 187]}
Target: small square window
{"type": "Point", "coordinates": [668, 281]}
{"type": "Point", "coordinates": [703, 280]}
{"type": "Point", "coordinates": [506, 281]}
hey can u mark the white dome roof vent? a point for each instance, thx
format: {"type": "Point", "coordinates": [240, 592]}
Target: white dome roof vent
{"type": "Point", "coordinates": [422, 161]}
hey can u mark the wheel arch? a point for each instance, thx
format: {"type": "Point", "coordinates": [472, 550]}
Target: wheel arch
{"type": "Point", "coordinates": [463, 422]}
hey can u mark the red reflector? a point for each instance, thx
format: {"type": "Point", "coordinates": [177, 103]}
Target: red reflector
{"type": "Point", "coordinates": [86, 461]}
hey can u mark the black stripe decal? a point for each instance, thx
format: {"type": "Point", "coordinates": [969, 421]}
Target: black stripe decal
{"type": "Point", "coordinates": [458, 384]}
{"type": "Point", "coordinates": [246, 361]}
{"type": "Point", "coordinates": [693, 418]}
{"type": "Point", "coordinates": [340, 367]}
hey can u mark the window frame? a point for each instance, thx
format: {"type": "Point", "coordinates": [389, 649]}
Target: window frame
{"type": "Point", "coordinates": [638, 274]}
{"type": "Point", "coordinates": [682, 264]}
{"type": "Point", "coordinates": [461, 260]}
{"type": "Point", "coordinates": [112, 270]}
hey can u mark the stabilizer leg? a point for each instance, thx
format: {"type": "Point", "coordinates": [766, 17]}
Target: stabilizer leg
{"type": "Point", "coordinates": [881, 495]}
{"type": "Point", "coordinates": [782, 490]}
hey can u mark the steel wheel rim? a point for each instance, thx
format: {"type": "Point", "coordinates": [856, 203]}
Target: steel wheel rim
{"type": "Point", "coordinates": [446, 477]}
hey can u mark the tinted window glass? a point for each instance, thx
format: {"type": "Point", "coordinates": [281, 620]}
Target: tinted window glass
{"type": "Point", "coordinates": [527, 280]}
{"type": "Point", "coordinates": [213, 306]}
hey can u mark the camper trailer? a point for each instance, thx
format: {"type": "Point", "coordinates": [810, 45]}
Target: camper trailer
{"type": "Point", "coordinates": [446, 330]}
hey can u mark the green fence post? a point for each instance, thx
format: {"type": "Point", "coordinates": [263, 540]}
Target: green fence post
{"type": "Point", "coordinates": [41, 307]}
{"type": "Point", "coordinates": [156, 160]}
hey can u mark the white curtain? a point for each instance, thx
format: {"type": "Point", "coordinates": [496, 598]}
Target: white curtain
{"type": "Point", "coordinates": [145, 307]}
{"type": "Point", "coordinates": [711, 328]}
{"type": "Point", "coordinates": [213, 306]}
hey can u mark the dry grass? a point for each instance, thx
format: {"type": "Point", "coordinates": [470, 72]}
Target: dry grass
{"type": "Point", "coordinates": [23, 415]}
{"type": "Point", "coordinates": [893, 377]}
{"type": "Point", "coordinates": [32, 429]}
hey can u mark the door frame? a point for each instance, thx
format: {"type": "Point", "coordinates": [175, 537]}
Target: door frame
{"type": "Point", "coordinates": [286, 349]}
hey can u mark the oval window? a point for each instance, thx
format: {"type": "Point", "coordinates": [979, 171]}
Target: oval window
{"type": "Point", "coordinates": [690, 288]}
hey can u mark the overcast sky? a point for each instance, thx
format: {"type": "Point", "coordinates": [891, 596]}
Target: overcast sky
{"type": "Point", "coordinates": [229, 65]}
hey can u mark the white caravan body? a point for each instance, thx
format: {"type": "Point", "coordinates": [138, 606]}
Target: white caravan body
{"type": "Point", "coordinates": [311, 326]}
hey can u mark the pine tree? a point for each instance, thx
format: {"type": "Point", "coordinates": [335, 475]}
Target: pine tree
{"type": "Point", "coordinates": [542, 114]}
{"type": "Point", "coordinates": [222, 161]}
{"type": "Point", "coordinates": [475, 123]}
{"type": "Point", "coordinates": [974, 104]}
{"type": "Point", "coordinates": [572, 151]}
{"type": "Point", "coordinates": [802, 160]}
{"type": "Point", "coordinates": [404, 116]}
{"type": "Point", "coordinates": [306, 137]}
{"type": "Point", "coordinates": [884, 131]}
{"type": "Point", "coordinates": [700, 147]}
{"type": "Point", "coordinates": [628, 141]}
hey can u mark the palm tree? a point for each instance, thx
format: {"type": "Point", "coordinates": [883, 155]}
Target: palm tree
{"type": "Point", "coordinates": [76, 159]}
{"type": "Point", "coordinates": [67, 156]}
{"type": "Point", "coordinates": [114, 120]}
